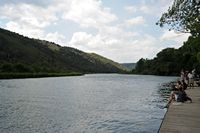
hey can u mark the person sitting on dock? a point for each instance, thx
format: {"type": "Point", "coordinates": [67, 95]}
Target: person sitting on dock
{"type": "Point", "coordinates": [191, 79]}
{"type": "Point", "coordinates": [178, 95]}
{"type": "Point", "coordinates": [184, 85]}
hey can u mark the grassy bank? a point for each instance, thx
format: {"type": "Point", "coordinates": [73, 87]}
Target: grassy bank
{"type": "Point", "coordinates": [36, 75]}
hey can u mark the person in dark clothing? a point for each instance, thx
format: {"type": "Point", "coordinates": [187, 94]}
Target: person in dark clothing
{"type": "Point", "coordinates": [182, 96]}
{"type": "Point", "coordinates": [184, 85]}
{"type": "Point", "coordinates": [179, 95]}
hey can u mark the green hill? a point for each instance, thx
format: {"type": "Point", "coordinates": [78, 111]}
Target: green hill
{"type": "Point", "coordinates": [107, 62]}
{"type": "Point", "coordinates": [19, 54]}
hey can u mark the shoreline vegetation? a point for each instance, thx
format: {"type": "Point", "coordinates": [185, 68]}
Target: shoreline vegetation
{"type": "Point", "coordinates": [23, 75]}
{"type": "Point", "coordinates": [170, 61]}
{"type": "Point", "coordinates": [23, 57]}
{"type": "Point", "coordinates": [8, 75]}
{"type": "Point", "coordinates": [183, 16]}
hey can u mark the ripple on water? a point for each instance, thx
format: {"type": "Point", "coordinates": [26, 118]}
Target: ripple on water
{"type": "Point", "coordinates": [93, 103]}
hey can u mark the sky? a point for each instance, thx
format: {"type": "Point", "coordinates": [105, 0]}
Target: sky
{"type": "Point", "coordinates": [121, 30]}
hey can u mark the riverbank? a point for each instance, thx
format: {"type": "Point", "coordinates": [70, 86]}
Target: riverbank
{"type": "Point", "coordinates": [183, 117]}
{"type": "Point", "coordinates": [36, 75]}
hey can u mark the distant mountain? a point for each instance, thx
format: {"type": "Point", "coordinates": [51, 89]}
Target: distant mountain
{"type": "Point", "coordinates": [22, 54]}
{"type": "Point", "coordinates": [129, 66]}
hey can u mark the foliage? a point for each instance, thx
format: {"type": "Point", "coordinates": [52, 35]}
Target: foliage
{"type": "Point", "coordinates": [19, 54]}
{"type": "Point", "coordinates": [198, 57]}
{"type": "Point", "coordinates": [7, 67]}
{"type": "Point", "coordinates": [184, 16]}
{"type": "Point", "coordinates": [10, 75]}
{"type": "Point", "coordinates": [170, 61]}
{"type": "Point", "coordinates": [106, 61]}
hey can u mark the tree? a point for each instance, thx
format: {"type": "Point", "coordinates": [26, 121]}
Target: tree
{"type": "Point", "coordinates": [7, 67]}
{"type": "Point", "coordinates": [140, 65]}
{"type": "Point", "coordinates": [183, 16]}
{"type": "Point", "coordinates": [21, 68]}
{"type": "Point", "coordinates": [198, 57]}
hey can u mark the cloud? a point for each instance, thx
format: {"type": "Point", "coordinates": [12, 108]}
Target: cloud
{"type": "Point", "coordinates": [153, 7]}
{"type": "Point", "coordinates": [112, 41]}
{"type": "Point", "coordinates": [146, 9]}
{"type": "Point", "coordinates": [31, 19]}
{"type": "Point", "coordinates": [135, 21]}
{"type": "Point", "coordinates": [140, 47]}
{"type": "Point", "coordinates": [143, 7]}
{"type": "Point", "coordinates": [24, 29]}
{"type": "Point", "coordinates": [36, 33]}
{"type": "Point", "coordinates": [26, 14]}
{"type": "Point", "coordinates": [26, 19]}
{"type": "Point", "coordinates": [131, 9]}
{"type": "Point", "coordinates": [93, 43]}
{"type": "Point", "coordinates": [120, 46]}
{"type": "Point", "coordinates": [55, 37]}
{"type": "Point", "coordinates": [89, 13]}
{"type": "Point", "coordinates": [81, 40]}
{"type": "Point", "coordinates": [175, 36]}
{"type": "Point", "coordinates": [33, 2]}
{"type": "Point", "coordinates": [99, 29]}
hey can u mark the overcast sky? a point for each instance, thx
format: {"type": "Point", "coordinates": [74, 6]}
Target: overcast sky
{"type": "Point", "coordinates": [122, 30]}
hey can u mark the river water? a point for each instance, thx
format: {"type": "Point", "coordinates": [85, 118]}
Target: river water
{"type": "Point", "coordinates": [95, 103]}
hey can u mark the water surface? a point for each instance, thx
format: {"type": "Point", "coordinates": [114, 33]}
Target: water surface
{"type": "Point", "coordinates": [107, 103]}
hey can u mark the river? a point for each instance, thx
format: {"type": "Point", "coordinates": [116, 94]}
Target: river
{"type": "Point", "coordinates": [96, 103]}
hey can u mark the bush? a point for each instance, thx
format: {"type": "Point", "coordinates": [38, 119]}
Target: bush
{"type": "Point", "coordinates": [6, 68]}
{"type": "Point", "coordinates": [21, 68]}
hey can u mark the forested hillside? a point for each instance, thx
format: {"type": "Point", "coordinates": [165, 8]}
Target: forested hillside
{"type": "Point", "coordinates": [170, 61]}
{"type": "Point", "coordinates": [19, 54]}
{"type": "Point", "coordinates": [183, 16]}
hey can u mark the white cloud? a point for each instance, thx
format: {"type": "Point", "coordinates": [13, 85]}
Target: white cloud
{"type": "Point", "coordinates": [135, 21]}
{"type": "Point", "coordinates": [34, 2]}
{"type": "Point", "coordinates": [56, 37]}
{"type": "Point", "coordinates": [89, 13]}
{"type": "Point", "coordinates": [29, 15]}
{"type": "Point", "coordinates": [80, 39]}
{"type": "Point", "coordinates": [120, 46]}
{"type": "Point", "coordinates": [174, 36]}
{"type": "Point", "coordinates": [112, 37]}
{"type": "Point", "coordinates": [146, 9]}
{"type": "Point", "coordinates": [24, 29]}
{"type": "Point", "coordinates": [144, 46]}
{"type": "Point", "coordinates": [92, 43]}
{"type": "Point", "coordinates": [153, 7]}
{"type": "Point", "coordinates": [131, 9]}
{"type": "Point", "coordinates": [36, 33]}
{"type": "Point", "coordinates": [30, 20]}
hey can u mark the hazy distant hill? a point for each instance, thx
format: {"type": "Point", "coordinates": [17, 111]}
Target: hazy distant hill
{"type": "Point", "coordinates": [22, 54]}
{"type": "Point", "coordinates": [129, 66]}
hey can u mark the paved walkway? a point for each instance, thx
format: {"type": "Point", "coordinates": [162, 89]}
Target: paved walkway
{"type": "Point", "coordinates": [183, 117]}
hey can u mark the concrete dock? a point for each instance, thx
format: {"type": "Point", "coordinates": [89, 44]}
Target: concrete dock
{"type": "Point", "coordinates": [183, 117]}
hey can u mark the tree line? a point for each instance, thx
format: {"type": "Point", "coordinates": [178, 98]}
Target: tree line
{"type": "Point", "coordinates": [183, 16]}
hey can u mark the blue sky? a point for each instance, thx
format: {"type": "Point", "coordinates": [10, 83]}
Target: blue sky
{"type": "Point", "coordinates": [122, 30]}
